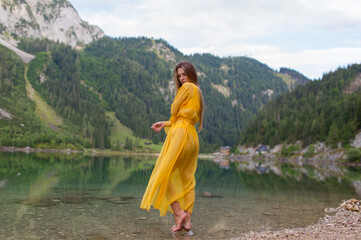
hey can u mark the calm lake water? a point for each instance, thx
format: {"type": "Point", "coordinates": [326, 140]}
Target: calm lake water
{"type": "Point", "coordinates": [48, 196]}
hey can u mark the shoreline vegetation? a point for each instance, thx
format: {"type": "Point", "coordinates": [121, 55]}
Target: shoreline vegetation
{"type": "Point", "coordinates": [93, 152]}
{"type": "Point", "coordinates": [343, 222]}
{"type": "Point", "coordinates": [336, 157]}
{"type": "Point", "coordinates": [319, 154]}
{"type": "Point", "coordinates": [71, 151]}
{"type": "Point", "coordinates": [316, 153]}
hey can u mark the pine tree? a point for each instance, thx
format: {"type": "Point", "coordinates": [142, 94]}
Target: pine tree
{"type": "Point", "coordinates": [333, 135]}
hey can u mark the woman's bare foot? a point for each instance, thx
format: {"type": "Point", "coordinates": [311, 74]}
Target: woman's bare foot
{"type": "Point", "coordinates": [179, 216]}
{"type": "Point", "coordinates": [179, 219]}
{"type": "Point", "coordinates": [187, 221]}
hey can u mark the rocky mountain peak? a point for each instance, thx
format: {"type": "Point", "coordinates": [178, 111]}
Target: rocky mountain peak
{"type": "Point", "coordinates": [53, 19]}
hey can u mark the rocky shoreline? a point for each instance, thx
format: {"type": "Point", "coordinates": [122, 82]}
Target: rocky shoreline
{"type": "Point", "coordinates": [92, 152]}
{"type": "Point", "coordinates": [314, 154]}
{"type": "Point", "coordinates": [29, 150]}
{"type": "Point", "coordinates": [343, 222]}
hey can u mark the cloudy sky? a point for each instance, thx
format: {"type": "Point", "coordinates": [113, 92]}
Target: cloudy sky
{"type": "Point", "coordinates": [310, 36]}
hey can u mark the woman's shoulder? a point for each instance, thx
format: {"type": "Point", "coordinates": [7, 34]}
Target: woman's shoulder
{"type": "Point", "coordinates": [189, 85]}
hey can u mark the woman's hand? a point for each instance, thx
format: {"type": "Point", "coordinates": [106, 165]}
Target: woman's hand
{"type": "Point", "coordinates": [158, 126]}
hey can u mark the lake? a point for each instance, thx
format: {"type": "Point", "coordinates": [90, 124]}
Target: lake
{"type": "Point", "coordinates": [59, 196]}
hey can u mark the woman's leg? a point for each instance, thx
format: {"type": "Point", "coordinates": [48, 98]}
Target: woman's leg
{"type": "Point", "coordinates": [179, 216]}
{"type": "Point", "coordinates": [187, 221]}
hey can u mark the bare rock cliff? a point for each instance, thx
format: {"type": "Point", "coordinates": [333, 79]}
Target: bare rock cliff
{"type": "Point", "coordinates": [53, 19]}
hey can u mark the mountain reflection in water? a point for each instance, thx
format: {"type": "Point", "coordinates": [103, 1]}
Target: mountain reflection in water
{"type": "Point", "coordinates": [81, 197]}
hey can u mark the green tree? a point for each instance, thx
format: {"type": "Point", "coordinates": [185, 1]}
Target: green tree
{"type": "Point", "coordinates": [128, 144]}
{"type": "Point", "coordinates": [333, 135]}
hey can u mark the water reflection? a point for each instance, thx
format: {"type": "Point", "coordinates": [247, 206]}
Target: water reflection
{"type": "Point", "coordinates": [46, 196]}
{"type": "Point", "coordinates": [314, 175]}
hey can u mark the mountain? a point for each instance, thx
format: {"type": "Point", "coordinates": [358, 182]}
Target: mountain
{"type": "Point", "coordinates": [56, 20]}
{"type": "Point", "coordinates": [134, 76]}
{"type": "Point", "coordinates": [292, 78]}
{"type": "Point", "coordinates": [82, 95]}
{"type": "Point", "coordinates": [327, 110]}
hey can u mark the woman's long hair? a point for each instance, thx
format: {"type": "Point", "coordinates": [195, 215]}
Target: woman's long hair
{"type": "Point", "coordinates": [191, 72]}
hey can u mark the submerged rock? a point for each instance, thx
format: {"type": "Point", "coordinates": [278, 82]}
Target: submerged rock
{"type": "Point", "coordinates": [123, 198]}
{"type": "Point", "coordinates": [117, 200]}
{"type": "Point", "coordinates": [206, 194]}
{"type": "Point", "coordinates": [269, 214]}
{"type": "Point", "coordinates": [127, 197]}
{"type": "Point", "coordinates": [76, 198]}
{"type": "Point", "coordinates": [73, 199]}
{"type": "Point", "coordinates": [38, 202]}
{"type": "Point", "coordinates": [210, 195]}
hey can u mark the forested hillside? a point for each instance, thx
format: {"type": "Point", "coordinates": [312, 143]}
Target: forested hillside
{"type": "Point", "coordinates": [292, 77]}
{"type": "Point", "coordinates": [132, 77]}
{"type": "Point", "coordinates": [21, 127]}
{"type": "Point", "coordinates": [234, 88]}
{"type": "Point", "coordinates": [55, 74]}
{"type": "Point", "coordinates": [326, 110]}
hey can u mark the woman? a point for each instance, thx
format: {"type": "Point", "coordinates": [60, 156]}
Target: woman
{"type": "Point", "coordinates": [171, 185]}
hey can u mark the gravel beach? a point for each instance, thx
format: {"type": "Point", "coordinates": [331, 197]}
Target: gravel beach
{"type": "Point", "coordinates": [343, 222]}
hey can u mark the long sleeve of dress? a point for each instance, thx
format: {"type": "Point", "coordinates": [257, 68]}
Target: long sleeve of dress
{"type": "Point", "coordinates": [182, 95]}
{"type": "Point", "coordinates": [168, 123]}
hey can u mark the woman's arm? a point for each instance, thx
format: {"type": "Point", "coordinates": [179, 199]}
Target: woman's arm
{"type": "Point", "coordinates": [183, 93]}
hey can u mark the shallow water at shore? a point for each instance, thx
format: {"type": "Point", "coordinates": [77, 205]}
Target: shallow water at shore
{"type": "Point", "coordinates": [48, 196]}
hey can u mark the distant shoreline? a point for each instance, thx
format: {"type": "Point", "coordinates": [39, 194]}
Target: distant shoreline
{"type": "Point", "coordinates": [30, 150]}
{"type": "Point", "coordinates": [336, 157]}
{"type": "Point", "coordinates": [70, 151]}
{"type": "Point", "coordinates": [93, 152]}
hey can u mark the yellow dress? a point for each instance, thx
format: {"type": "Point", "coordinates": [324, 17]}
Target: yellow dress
{"type": "Point", "coordinates": [172, 178]}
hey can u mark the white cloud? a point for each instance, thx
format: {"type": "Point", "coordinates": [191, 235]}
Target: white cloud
{"type": "Point", "coordinates": [312, 63]}
{"type": "Point", "coordinates": [311, 36]}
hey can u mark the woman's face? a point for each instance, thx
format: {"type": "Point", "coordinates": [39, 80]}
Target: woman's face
{"type": "Point", "coordinates": [182, 76]}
